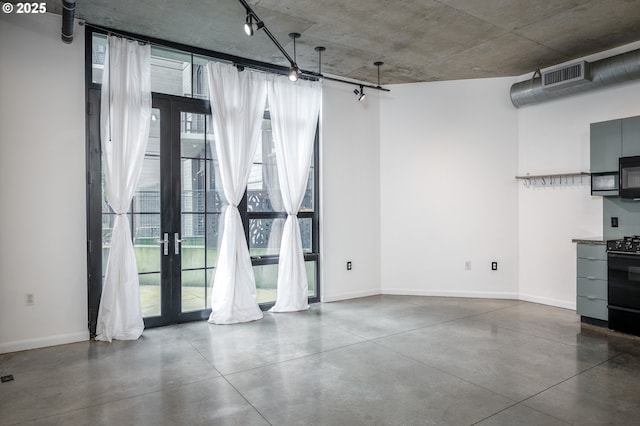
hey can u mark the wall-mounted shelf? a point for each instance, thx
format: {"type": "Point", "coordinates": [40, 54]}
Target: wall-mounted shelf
{"type": "Point", "coordinates": [556, 179]}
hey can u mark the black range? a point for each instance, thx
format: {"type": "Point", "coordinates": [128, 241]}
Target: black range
{"type": "Point", "coordinates": [623, 263]}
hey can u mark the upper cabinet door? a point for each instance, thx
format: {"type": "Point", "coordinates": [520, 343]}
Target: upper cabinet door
{"type": "Point", "coordinates": [631, 136]}
{"type": "Point", "coordinates": [606, 146]}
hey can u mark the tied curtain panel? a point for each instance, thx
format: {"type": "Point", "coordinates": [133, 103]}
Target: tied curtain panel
{"type": "Point", "coordinates": [237, 106]}
{"type": "Point", "coordinates": [124, 127]}
{"type": "Point", "coordinates": [294, 116]}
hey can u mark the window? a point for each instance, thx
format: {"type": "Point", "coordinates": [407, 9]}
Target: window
{"type": "Point", "coordinates": [266, 215]}
{"type": "Point", "coordinates": [173, 71]}
{"type": "Point", "coordinates": [179, 197]}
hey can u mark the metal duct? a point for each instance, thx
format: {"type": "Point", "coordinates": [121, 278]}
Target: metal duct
{"type": "Point", "coordinates": [605, 72]}
{"type": "Point", "coordinates": [68, 13]}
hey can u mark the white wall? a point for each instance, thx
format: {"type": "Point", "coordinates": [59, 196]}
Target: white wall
{"type": "Point", "coordinates": [448, 193]}
{"type": "Point", "coordinates": [350, 217]}
{"type": "Point", "coordinates": [42, 184]}
{"type": "Point", "coordinates": [554, 138]}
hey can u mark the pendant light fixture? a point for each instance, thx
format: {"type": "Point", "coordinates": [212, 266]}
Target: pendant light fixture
{"type": "Point", "coordinates": [294, 71]}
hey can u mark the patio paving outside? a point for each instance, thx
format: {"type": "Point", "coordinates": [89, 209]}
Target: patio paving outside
{"type": "Point", "coordinates": [193, 298]}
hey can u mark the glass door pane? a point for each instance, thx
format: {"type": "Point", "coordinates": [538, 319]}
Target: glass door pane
{"type": "Point", "coordinates": [146, 223]}
{"type": "Point", "coordinates": [200, 209]}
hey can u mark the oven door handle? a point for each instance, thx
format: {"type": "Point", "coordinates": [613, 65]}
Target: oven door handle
{"type": "Point", "coordinates": [620, 308]}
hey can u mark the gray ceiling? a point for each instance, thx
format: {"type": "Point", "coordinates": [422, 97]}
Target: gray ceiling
{"type": "Point", "coordinates": [418, 40]}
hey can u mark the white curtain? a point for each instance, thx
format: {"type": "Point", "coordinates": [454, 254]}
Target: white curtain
{"type": "Point", "coordinates": [275, 197]}
{"type": "Point", "coordinates": [124, 127]}
{"type": "Point", "coordinates": [237, 106]}
{"type": "Point", "coordinates": [270, 176]}
{"type": "Point", "coordinates": [294, 116]}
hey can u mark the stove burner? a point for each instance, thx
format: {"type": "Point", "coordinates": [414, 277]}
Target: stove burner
{"type": "Point", "coordinates": [630, 244]}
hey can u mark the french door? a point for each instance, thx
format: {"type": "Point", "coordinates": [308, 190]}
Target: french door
{"type": "Point", "coordinates": [181, 174]}
{"type": "Point", "coordinates": [174, 216]}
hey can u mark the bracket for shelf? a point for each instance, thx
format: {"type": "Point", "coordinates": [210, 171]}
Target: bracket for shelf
{"type": "Point", "coordinates": [554, 179]}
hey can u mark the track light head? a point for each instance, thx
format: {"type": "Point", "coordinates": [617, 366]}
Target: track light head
{"type": "Point", "coordinates": [360, 93]}
{"type": "Point", "coordinates": [248, 25]}
{"type": "Point", "coordinates": [294, 72]}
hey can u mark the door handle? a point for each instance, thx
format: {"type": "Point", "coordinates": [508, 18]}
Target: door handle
{"type": "Point", "coordinates": [177, 242]}
{"type": "Point", "coordinates": [165, 244]}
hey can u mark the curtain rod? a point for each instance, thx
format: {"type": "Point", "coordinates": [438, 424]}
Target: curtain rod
{"type": "Point", "coordinates": [237, 60]}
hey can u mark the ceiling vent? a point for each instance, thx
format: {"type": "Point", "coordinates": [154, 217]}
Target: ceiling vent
{"type": "Point", "coordinates": [568, 75]}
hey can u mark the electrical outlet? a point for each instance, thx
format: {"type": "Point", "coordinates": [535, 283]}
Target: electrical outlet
{"type": "Point", "coordinates": [29, 299]}
{"type": "Point", "coordinates": [467, 265]}
{"type": "Point", "coordinates": [494, 266]}
{"type": "Point", "coordinates": [349, 266]}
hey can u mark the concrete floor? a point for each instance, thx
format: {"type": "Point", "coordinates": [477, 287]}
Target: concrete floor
{"type": "Point", "coordinates": [383, 360]}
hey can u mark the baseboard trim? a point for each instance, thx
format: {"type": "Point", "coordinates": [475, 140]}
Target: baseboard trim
{"type": "Point", "coordinates": [350, 295]}
{"type": "Point", "coordinates": [548, 301]}
{"type": "Point", "coordinates": [43, 342]}
{"type": "Point", "coordinates": [444, 293]}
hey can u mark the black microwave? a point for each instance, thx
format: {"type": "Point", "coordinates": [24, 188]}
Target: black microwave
{"type": "Point", "coordinates": [629, 177]}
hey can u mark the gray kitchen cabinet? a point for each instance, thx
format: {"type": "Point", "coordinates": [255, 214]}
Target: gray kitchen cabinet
{"type": "Point", "coordinates": [606, 146]}
{"type": "Point", "coordinates": [631, 136]}
{"type": "Point", "coordinates": [591, 283]}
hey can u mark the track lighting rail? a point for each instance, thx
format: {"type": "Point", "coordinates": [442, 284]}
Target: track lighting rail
{"type": "Point", "coordinates": [237, 60]}
{"type": "Point", "coordinates": [261, 25]}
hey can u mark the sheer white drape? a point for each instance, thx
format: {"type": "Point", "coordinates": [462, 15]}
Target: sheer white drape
{"type": "Point", "coordinates": [270, 179]}
{"type": "Point", "coordinates": [124, 128]}
{"type": "Point", "coordinates": [237, 106]}
{"type": "Point", "coordinates": [294, 116]}
{"type": "Point", "coordinates": [275, 197]}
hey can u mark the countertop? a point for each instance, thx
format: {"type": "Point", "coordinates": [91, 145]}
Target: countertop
{"type": "Point", "coordinates": [590, 240]}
